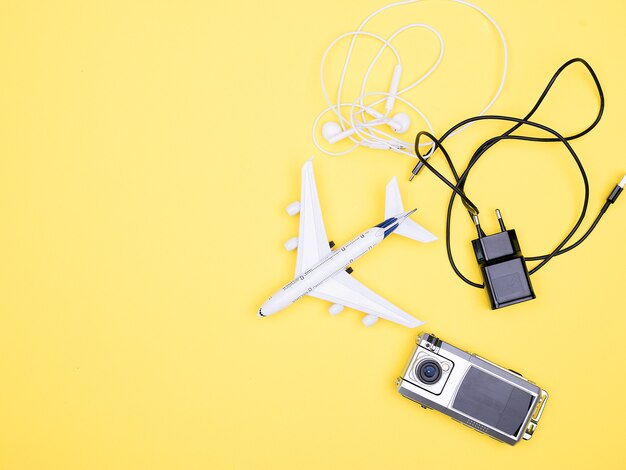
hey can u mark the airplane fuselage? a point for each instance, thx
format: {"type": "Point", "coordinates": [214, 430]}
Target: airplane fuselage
{"type": "Point", "coordinates": [337, 260]}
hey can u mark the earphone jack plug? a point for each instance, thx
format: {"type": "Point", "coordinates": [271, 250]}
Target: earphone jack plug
{"type": "Point", "coordinates": [416, 170]}
{"type": "Point", "coordinates": [616, 191]}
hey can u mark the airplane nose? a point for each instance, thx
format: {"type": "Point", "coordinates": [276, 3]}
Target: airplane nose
{"type": "Point", "coordinates": [261, 313]}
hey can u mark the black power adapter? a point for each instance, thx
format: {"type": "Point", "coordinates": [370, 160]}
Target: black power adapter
{"type": "Point", "coordinates": [503, 266]}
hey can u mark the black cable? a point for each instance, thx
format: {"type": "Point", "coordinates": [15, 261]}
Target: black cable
{"type": "Point", "coordinates": [582, 239]}
{"type": "Point", "coordinates": [460, 180]}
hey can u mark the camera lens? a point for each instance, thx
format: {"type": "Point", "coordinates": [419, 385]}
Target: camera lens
{"type": "Point", "coordinates": [429, 371]}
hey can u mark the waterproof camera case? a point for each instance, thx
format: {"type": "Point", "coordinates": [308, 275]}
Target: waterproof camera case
{"type": "Point", "coordinates": [478, 393]}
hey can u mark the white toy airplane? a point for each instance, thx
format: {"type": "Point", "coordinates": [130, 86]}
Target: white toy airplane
{"type": "Point", "coordinates": [321, 272]}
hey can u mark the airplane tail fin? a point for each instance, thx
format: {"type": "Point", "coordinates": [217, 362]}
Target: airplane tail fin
{"type": "Point", "coordinates": [408, 228]}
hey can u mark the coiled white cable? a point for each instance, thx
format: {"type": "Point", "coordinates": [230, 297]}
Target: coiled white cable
{"type": "Point", "coordinates": [367, 132]}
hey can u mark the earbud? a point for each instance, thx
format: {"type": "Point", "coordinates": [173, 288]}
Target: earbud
{"type": "Point", "coordinates": [400, 123]}
{"type": "Point", "coordinates": [332, 132]}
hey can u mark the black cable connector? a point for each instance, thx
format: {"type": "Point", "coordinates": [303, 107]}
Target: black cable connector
{"type": "Point", "coordinates": [616, 191]}
{"type": "Point", "coordinates": [609, 200]}
{"type": "Point", "coordinates": [416, 170]}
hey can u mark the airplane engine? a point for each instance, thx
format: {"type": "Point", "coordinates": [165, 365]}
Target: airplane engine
{"type": "Point", "coordinates": [335, 309]}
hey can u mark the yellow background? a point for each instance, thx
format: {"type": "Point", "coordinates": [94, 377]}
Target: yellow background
{"type": "Point", "coordinates": [147, 152]}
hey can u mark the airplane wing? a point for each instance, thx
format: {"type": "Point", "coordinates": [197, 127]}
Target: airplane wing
{"type": "Point", "coordinates": [343, 289]}
{"type": "Point", "coordinates": [312, 239]}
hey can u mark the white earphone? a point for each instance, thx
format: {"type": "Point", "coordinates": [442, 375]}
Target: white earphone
{"type": "Point", "coordinates": [333, 133]}
{"type": "Point", "coordinates": [399, 123]}
{"type": "Point", "coordinates": [356, 126]}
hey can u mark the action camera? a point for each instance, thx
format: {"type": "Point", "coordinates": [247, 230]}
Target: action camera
{"type": "Point", "coordinates": [478, 393]}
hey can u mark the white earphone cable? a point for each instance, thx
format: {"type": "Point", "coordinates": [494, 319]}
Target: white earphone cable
{"type": "Point", "coordinates": [364, 132]}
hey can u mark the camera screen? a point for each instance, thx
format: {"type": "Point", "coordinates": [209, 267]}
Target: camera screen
{"type": "Point", "coordinates": [493, 401]}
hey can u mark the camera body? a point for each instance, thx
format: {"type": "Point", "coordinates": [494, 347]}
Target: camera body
{"type": "Point", "coordinates": [478, 393]}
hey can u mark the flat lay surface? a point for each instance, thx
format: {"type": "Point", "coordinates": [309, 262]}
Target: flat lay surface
{"type": "Point", "coordinates": [147, 153]}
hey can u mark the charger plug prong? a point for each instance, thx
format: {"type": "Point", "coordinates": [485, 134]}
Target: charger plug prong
{"type": "Point", "coordinates": [500, 221]}
{"type": "Point", "coordinates": [477, 224]}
